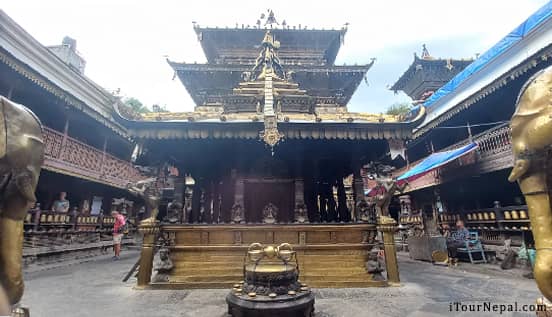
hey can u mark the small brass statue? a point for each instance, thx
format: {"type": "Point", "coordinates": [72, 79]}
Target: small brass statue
{"type": "Point", "coordinates": [531, 140]}
{"type": "Point", "coordinates": [301, 214]}
{"type": "Point", "coordinates": [21, 157]}
{"type": "Point", "coordinates": [147, 191]}
{"type": "Point", "coordinates": [236, 214]}
{"type": "Point", "coordinates": [270, 213]}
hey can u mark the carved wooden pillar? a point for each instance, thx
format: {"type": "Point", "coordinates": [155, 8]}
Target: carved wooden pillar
{"type": "Point", "coordinates": [239, 192]}
{"type": "Point", "coordinates": [227, 190]}
{"type": "Point", "coordinates": [179, 196]}
{"type": "Point", "coordinates": [196, 201]}
{"type": "Point", "coordinates": [332, 206]}
{"type": "Point", "coordinates": [216, 200]}
{"type": "Point", "coordinates": [310, 192]}
{"type": "Point", "coordinates": [342, 209]}
{"type": "Point", "coordinates": [358, 187]}
{"type": "Point", "coordinates": [64, 139]}
{"type": "Point", "coordinates": [322, 205]}
{"type": "Point", "coordinates": [104, 149]}
{"type": "Point", "coordinates": [299, 195]}
{"type": "Point", "coordinates": [208, 203]}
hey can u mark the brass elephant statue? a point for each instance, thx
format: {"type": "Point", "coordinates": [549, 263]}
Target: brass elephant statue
{"type": "Point", "coordinates": [21, 157]}
{"type": "Point", "coordinates": [531, 127]}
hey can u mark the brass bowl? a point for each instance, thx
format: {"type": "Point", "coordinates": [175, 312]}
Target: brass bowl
{"type": "Point", "coordinates": [292, 293]}
{"type": "Point", "coordinates": [252, 294]}
{"type": "Point", "coordinates": [507, 215]}
{"type": "Point", "coordinates": [272, 295]}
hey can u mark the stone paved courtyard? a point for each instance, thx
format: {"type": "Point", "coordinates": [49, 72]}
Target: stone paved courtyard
{"type": "Point", "coordinates": [95, 289]}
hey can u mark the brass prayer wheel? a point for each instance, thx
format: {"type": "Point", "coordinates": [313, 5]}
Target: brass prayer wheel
{"type": "Point", "coordinates": [507, 215]}
{"type": "Point", "coordinates": [522, 214]}
{"type": "Point", "coordinates": [485, 216]}
{"type": "Point", "coordinates": [492, 215]}
{"type": "Point", "coordinates": [515, 214]}
{"type": "Point", "coordinates": [479, 216]}
{"type": "Point", "coordinates": [469, 217]}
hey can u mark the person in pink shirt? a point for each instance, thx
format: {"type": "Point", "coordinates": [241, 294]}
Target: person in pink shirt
{"type": "Point", "coordinates": [118, 232]}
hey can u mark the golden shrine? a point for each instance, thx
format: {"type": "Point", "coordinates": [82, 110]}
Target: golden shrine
{"type": "Point", "coordinates": [269, 155]}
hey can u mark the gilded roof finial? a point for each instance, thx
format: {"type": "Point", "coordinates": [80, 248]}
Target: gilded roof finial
{"type": "Point", "coordinates": [268, 59]}
{"type": "Point", "coordinates": [271, 19]}
{"type": "Point", "coordinates": [425, 53]}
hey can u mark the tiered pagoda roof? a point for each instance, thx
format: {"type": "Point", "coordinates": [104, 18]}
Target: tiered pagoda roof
{"type": "Point", "coordinates": [426, 74]}
{"type": "Point", "coordinates": [307, 55]}
{"type": "Point", "coordinates": [281, 76]}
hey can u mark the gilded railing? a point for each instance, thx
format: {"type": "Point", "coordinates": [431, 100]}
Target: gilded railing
{"type": "Point", "coordinates": [73, 157]}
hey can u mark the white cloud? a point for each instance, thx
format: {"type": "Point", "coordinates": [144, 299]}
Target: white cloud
{"type": "Point", "coordinates": [125, 42]}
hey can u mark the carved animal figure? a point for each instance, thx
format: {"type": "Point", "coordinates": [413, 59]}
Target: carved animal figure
{"type": "Point", "coordinates": [21, 158]}
{"type": "Point", "coordinates": [531, 139]}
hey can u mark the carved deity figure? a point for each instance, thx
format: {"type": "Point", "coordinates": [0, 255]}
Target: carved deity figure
{"type": "Point", "coordinates": [163, 266]}
{"type": "Point", "coordinates": [237, 214]}
{"type": "Point", "coordinates": [21, 157]}
{"type": "Point", "coordinates": [174, 212]}
{"type": "Point", "coordinates": [375, 264]}
{"type": "Point", "coordinates": [383, 199]}
{"type": "Point", "coordinates": [301, 214]}
{"type": "Point", "coordinates": [269, 213]}
{"type": "Point", "coordinates": [363, 211]}
{"type": "Point", "coordinates": [531, 127]}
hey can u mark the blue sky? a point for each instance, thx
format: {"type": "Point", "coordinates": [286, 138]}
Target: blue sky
{"type": "Point", "coordinates": [125, 42]}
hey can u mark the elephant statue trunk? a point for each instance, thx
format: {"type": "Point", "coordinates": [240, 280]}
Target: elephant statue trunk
{"type": "Point", "coordinates": [531, 128]}
{"type": "Point", "coordinates": [21, 158]}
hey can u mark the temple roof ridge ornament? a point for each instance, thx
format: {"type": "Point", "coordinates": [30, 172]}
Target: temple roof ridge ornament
{"type": "Point", "coordinates": [425, 53]}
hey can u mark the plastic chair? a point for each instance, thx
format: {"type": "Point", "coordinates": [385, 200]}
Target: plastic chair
{"type": "Point", "coordinates": [473, 246]}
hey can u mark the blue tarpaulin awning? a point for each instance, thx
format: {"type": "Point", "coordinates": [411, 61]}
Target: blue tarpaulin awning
{"type": "Point", "coordinates": [436, 160]}
{"type": "Point", "coordinates": [534, 21]}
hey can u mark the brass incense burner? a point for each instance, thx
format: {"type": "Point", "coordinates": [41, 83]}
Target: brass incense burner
{"type": "Point", "coordinates": [271, 285]}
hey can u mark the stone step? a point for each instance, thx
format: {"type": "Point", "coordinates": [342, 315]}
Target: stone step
{"type": "Point", "coordinates": [302, 264]}
{"type": "Point", "coordinates": [314, 283]}
{"type": "Point", "coordinates": [239, 271]}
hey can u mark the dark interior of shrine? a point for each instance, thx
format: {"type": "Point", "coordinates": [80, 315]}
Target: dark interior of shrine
{"type": "Point", "coordinates": [319, 165]}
